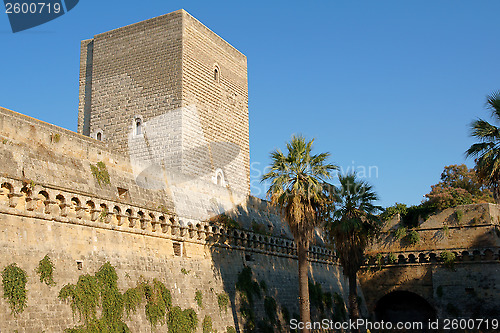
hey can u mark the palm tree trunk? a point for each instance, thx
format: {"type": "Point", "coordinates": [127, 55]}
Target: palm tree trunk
{"type": "Point", "coordinates": [496, 194]}
{"type": "Point", "coordinates": [305, 311]}
{"type": "Point", "coordinates": [353, 300]}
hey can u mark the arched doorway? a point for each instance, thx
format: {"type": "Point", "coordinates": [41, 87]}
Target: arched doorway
{"type": "Point", "coordinates": [404, 306]}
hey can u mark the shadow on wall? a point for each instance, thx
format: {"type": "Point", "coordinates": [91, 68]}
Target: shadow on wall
{"type": "Point", "coordinates": [260, 273]}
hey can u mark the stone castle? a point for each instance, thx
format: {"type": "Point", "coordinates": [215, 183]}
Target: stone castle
{"type": "Point", "coordinates": [162, 151]}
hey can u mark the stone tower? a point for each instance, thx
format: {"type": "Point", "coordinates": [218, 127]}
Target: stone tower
{"type": "Point", "coordinates": [169, 93]}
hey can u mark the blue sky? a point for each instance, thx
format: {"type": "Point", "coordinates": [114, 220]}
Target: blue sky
{"type": "Point", "coordinates": [386, 86]}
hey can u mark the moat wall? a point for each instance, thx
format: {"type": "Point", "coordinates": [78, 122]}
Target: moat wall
{"type": "Point", "coordinates": [465, 287]}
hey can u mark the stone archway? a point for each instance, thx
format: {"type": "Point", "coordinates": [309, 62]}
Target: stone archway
{"type": "Point", "coordinates": [404, 306]}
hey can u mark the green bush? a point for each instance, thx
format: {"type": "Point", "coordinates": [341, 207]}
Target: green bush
{"type": "Point", "coordinates": [448, 259]}
{"type": "Point", "coordinates": [391, 211]}
{"type": "Point", "coordinates": [230, 329]}
{"type": "Point", "coordinates": [446, 230]}
{"type": "Point", "coordinates": [413, 237]}
{"type": "Point", "coordinates": [225, 221]}
{"type": "Point", "coordinates": [45, 270]}
{"type": "Point", "coordinates": [14, 281]}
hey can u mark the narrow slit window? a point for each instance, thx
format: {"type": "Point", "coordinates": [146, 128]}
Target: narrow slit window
{"type": "Point", "coordinates": [99, 136]}
{"type": "Point", "coordinates": [216, 74]}
{"type": "Point", "coordinates": [138, 127]}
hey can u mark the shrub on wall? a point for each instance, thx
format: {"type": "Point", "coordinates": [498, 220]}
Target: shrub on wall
{"type": "Point", "coordinates": [198, 297]}
{"type": "Point", "coordinates": [270, 309]}
{"type": "Point", "coordinates": [100, 173]}
{"type": "Point", "coordinates": [413, 237]}
{"type": "Point", "coordinates": [45, 270]}
{"type": "Point", "coordinates": [223, 301]}
{"type": "Point", "coordinates": [98, 294]}
{"type": "Point", "coordinates": [448, 259]}
{"type": "Point", "coordinates": [158, 301]}
{"type": "Point", "coordinates": [14, 281]}
{"type": "Point", "coordinates": [340, 309]}
{"type": "Point", "coordinates": [206, 325]}
{"type": "Point", "coordinates": [391, 258]}
{"type": "Point", "coordinates": [400, 232]}
{"type": "Point", "coordinates": [182, 321]}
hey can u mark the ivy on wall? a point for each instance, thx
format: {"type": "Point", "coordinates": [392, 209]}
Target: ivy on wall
{"type": "Point", "coordinates": [99, 291]}
{"type": "Point", "coordinates": [100, 173]}
{"type": "Point", "coordinates": [14, 288]}
{"type": "Point", "coordinates": [158, 301]}
{"type": "Point", "coordinates": [45, 270]}
{"type": "Point", "coordinates": [182, 321]}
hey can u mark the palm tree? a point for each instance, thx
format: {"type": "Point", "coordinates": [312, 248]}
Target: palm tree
{"type": "Point", "coordinates": [487, 151]}
{"type": "Point", "coordinates": [296, 189]}
{"type": "Point", "coordinates": [350, 225]}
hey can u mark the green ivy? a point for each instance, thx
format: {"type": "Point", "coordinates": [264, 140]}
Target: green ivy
{"type": "Point", "coordinates": [206, 325]}
{"type": "Point", "coordinates": [98, 294]}
{"type": "Point", "coordinates": [230, 329]}
{"type": "Point", "coordinates": [158, 301]}
{"type": "Point", "coordinates": [103, 214]}
{"type": "Point", "coordinates": [198, 297]}
{"type": "Point", "coordinates": [247, 286]}
{"type": "Point", "coordinates": [223, 301]}
{"type": "Point", "coordinates": [286, 314]}
{"type": "Point", "coordinates": [248, 289]}
{"type": "Point", "coordinates": [340, 309]}
{"type": "Point", "coordinates": [316, 296]}
{"type": "Point", "coordinates": [45, 270]}
{"type": "Point", "coordinates": [270, 309]}
{"type": "Point", "coordinates": [14, 281]}
{"type": "Point", "coordinates": [100, 173]}
{"type": "Point", "coordinates": [182, 321]}
{"type": "Point", "coordinates": [131, 300]}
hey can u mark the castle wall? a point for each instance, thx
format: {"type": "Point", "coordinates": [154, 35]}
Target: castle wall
{"type": "Point", "coordinates": [52, 204]}
{"type": "Point", "coordinates": [135, 70]}
{"type": "Point", "coordinates": [35, 223]}
{"type": "Point", "coordinates": [465, 287]}
{"type": "Point", "coordinates": [221, 103]}
{"type": "Point", "coordinates": [162, 71]}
